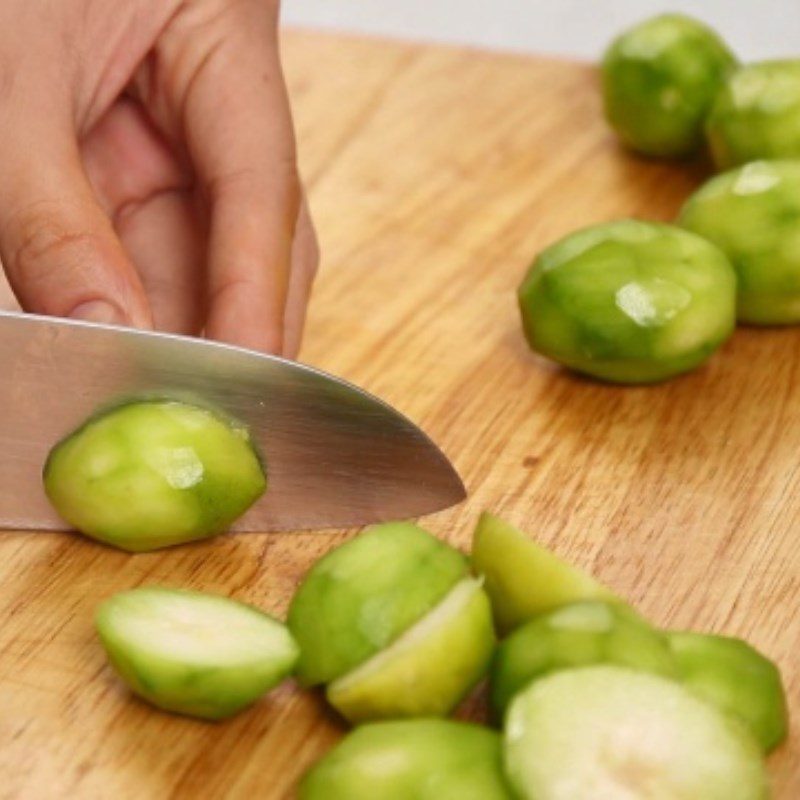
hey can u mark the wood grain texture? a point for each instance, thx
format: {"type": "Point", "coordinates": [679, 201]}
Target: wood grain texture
{"type": "Point", "coordinates": [435, 175]}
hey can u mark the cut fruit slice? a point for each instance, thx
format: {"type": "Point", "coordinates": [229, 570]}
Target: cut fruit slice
{"type": "Point", "coordinates": [425, 759]}
{"type": "Point", "coordinates": [735, 677]}
{"type": "Point", "coordinates": [524, 579]}
{"type": "Point", "coordinates": [576, 635]}
{"type": "Point", "coordinates": [429, 669]}
{"type": "Point", "coordinates": [361, 596]}
{"type": "Point", "coordinates": [154, 473]}
{"type": "Point", "coordinates": [618, 734]}
{"type": "Point", "coordinates": [194, 653]}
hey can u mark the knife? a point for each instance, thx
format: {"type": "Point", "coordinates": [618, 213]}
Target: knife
{"type": "Point", "coordinates": [336, 456]}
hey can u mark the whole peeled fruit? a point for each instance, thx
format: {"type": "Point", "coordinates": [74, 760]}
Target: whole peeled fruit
{"type": "Point", "coordinates": [629, 301]}
{"type": "Point", "coordinates": [756, 114]}
{"type": "Point", "coordinates": [659, 80]}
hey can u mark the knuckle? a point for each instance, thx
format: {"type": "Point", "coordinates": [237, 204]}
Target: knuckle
{"type": "Point", "coordinates": [281, 177]}
{"type": "Point", "coordinates": [43, 248]}
{"type": "Point", "coordinates": [230, 290]}
{"type": "Point", "coordinates": [240, 14]}
{"type": "Point", "coordinates": [42, 243]}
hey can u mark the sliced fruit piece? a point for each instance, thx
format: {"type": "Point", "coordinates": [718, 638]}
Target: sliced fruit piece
{"type": "Point", "coordinates": [429, 669]}
{"type": "Point", "coordinates": [576, 635]}
{"type": "Point", "coordinates": [194, 653]}
{"type": "Point", "coordinates": [524, 579]}
{"type": "Point", "coordinates": [612, 732]}
{"type": "Point", "coordinates": [361, 596]}
{"type": "Point", "coordinates": [154, 473]}
{"type": "Point", "coordinates": [735, 677]}
{"type": "Point", "coordinates": [424, 759]}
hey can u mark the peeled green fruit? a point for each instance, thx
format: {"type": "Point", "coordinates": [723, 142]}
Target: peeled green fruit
{"type": "Point", "coordinates": [154, 473]}
{"type": "Point", "coordinates": [735, 677]}
{"type": "Point", "coordinates": [756, 114]}
{"type": "Point", "coordinates": [659, 81]}
{"type": "Point", "coordinates": [194, 653]}
{"type": "Point", "coordinates": [360, 597]}
{"type": "Point", "coordinates": [576, 635]}
{"type": "Point", "coordinates": [611, 732]}
{"type": "Point", "coordinates": [753, 215]}
{"type": "Point", "coordinates": [419, 759]}
{"type": "Point", "coordinates": [629, 301]}
{"type": "Point", "coordinates": [429, 669]}
{"type": "Point", "coordinates": [524, 579]}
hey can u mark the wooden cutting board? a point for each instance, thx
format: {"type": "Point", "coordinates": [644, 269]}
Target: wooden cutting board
{"type": "Point", "coordinates": [435, 175]}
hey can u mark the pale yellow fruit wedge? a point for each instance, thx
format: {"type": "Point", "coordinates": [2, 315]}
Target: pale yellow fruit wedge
{"type": "Point", "coordinates": [524, 579]}
{"type": "Point", "coordinates": [429, 668]}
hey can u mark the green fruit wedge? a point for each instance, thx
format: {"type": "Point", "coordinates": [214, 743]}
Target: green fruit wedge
{"type": "Point", "coordinates": [753, 215]}
{"type": "Point", "coordinates": [429, 669]}
{"type": "Point", "coordinates": [524, 579]}
{"type": "Point", "coordinates": [361, 596]}
{"type": "Point", "coordinates": [424, 759]}
{"type": "Point", "coordinates": [194, 653]}
{"type": "Point", "coordinates": [618, 734]}
{"type": "Point", "coordinates": [659, 81]}
{"type": "Point", "coordinates": [154, 473]}
{"type": "Point", "coordinates": [756, 114]}
{"type": "Point", "coordinates": [735, 677]}
{"type": "Point", "coordinates": [576, 635]}
{"type": "Point", "coordinates": [629, 301]}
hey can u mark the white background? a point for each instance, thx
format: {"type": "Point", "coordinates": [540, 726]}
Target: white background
{"type": "Point", "coordinates": [753, 28]}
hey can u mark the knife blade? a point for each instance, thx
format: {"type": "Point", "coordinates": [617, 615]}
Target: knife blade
{"type": "Point", "coordinates": [336, 456]}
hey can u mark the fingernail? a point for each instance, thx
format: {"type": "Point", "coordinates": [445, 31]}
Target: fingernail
{"type": "Point", "coordinates": [99, 311]}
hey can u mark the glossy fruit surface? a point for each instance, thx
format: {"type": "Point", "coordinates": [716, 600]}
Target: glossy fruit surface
{"type": "Point", "coordinates": [734, 676]}
{"type": "Point", "coordinates": [756, 114]}
{"type": "Point", "coordinates": [423, 759]}
{"type": "Point", "coordinates": [659, 81]}
{"type": "Point", "coordinates": [429, 669]}
{"type": "Point", "coordinates": [629, 301]}
{"type": "Point", "coordinates": [360, 597]}
{"type": "Point", "coordinates": [194, 653]}
{"type": "Point", "coordinates": [611, 732]}
{"type": "Point", "coordinates": [149, 474]}
{"type": "Point", "coordinates": [576, 635]}
{"type": "Point", "coordinates": [752, 214]}
{"type": "Point", "coordinates": [523, 578]}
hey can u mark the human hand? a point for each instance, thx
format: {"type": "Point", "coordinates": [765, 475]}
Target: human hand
{"type": "Point", "coordinates": [148, 168]}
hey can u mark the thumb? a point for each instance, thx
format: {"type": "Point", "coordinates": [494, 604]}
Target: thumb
{"type": "Point", "coordinates": [60, 251]}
